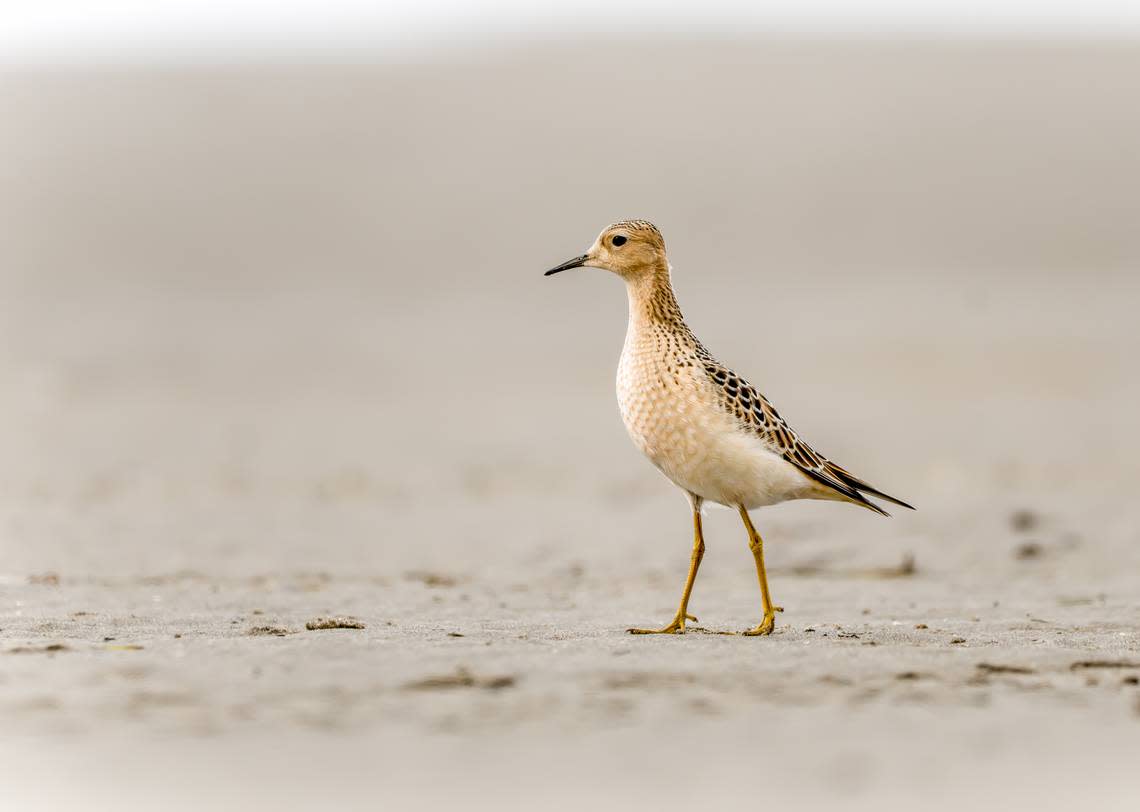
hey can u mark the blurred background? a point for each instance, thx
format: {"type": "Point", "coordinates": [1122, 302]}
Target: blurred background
{"type": "Point", "coordinates": [271, 297]}
{"type": "Point", "coordinates": [293, 253]}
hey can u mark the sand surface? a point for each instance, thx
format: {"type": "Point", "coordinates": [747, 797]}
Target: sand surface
{"type": "Point", "coordinates": [271, 354]}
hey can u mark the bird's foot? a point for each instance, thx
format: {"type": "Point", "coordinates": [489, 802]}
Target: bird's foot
{"type": "Point", "coordinates": [766, 625]}
{"type": "Point", "coordinates": [676, 627]}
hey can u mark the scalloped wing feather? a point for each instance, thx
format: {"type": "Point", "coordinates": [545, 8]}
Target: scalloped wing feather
{"type": "Point", "coordinates": [757, 414]}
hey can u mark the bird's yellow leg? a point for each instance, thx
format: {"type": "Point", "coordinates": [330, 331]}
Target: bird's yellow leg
{"type": "Point", "coordinates": [756, 544]}
{"type": "Point", "coordinates": [677, 626]}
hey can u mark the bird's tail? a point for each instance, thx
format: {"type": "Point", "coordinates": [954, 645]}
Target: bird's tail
{"type": "Point", "coordinates": [853, 482]}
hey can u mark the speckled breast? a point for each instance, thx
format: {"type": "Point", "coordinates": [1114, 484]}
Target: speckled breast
{"type": "Point", "coordinates": [669, 409]}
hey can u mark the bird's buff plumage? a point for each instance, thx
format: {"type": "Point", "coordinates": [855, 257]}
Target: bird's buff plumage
{"type": "Point", "coordinates": [706, 428]}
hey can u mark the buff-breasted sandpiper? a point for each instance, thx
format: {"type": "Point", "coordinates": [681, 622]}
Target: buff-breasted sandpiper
{"type": "Point", "coordinates": [706, 428]}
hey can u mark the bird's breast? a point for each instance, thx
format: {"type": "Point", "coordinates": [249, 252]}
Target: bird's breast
{"type": "Point", "coordinates": [668, 406]}
{"type": "Point", "coordinates": [671, 412]}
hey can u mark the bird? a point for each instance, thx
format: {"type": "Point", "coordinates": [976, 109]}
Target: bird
{"type": "Point", "coordinates": [706, 428]}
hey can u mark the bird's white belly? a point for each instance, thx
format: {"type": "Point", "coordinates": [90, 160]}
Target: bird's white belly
{"type": "Point", "coordinates": [672, 416]}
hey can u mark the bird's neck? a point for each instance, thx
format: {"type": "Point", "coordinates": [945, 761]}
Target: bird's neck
{"type": "Point", "coordinates": [652, 301]}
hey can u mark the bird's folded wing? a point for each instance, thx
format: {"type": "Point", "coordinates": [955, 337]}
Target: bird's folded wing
{"type": "Point", "coordinates": [756, 414]}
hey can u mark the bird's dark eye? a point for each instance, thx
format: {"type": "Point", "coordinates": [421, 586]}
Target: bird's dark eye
{"type": "Point", "coordinates": [619, 240]}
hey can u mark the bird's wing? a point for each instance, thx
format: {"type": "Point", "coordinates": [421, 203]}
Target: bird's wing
{"type": "Point", "coordinates": [758, 415]}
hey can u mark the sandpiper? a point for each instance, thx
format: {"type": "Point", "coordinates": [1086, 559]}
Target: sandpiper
{"type": "Point", "coordinates": [707, 429]}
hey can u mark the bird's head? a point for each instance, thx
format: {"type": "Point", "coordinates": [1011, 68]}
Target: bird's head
{"type": "Point", "coordinates": [629, 249]}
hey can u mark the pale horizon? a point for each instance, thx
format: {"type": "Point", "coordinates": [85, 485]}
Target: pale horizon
{"type": "Point", "coordinates": [58, 32]}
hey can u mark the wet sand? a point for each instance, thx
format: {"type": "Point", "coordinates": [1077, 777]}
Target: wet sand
{"type": "Point", "coordinates": [220, 427]}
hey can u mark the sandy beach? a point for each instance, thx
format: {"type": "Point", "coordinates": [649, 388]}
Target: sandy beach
{"type": "Point", "coordinates": [275, 347]}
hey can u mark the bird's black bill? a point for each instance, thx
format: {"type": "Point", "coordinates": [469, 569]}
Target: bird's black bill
{"type": "Point", "coordinates": [577, 262]}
